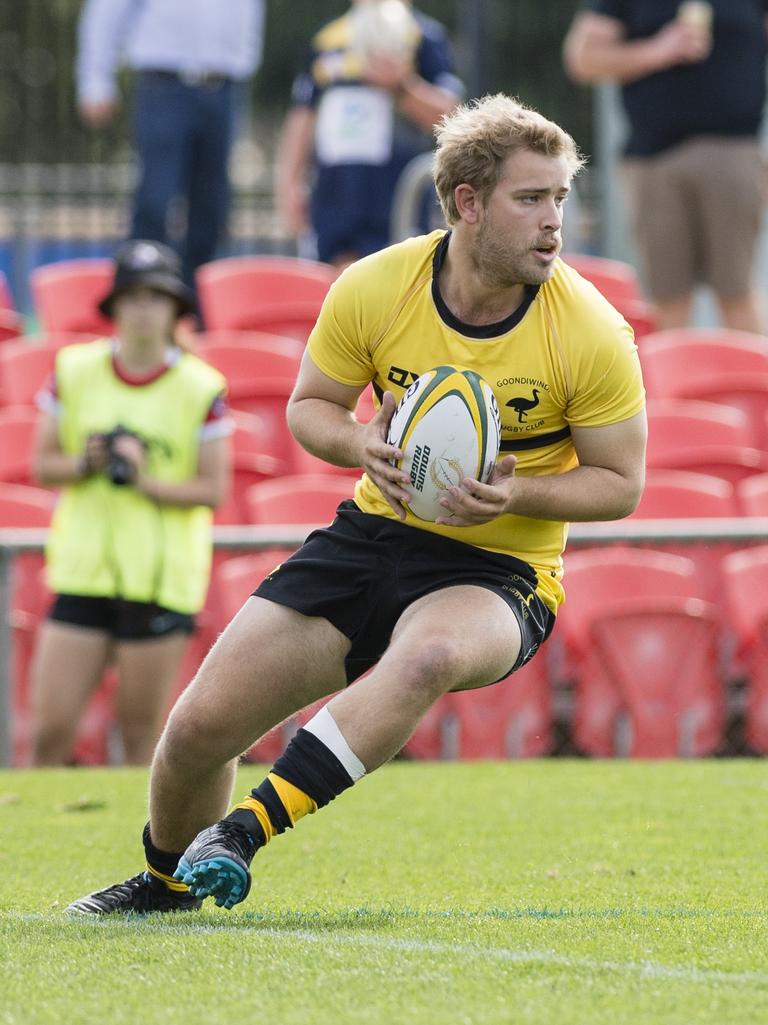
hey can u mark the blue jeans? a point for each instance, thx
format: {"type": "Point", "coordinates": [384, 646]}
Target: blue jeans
{"type": "Point", "coordinates": [183, 137]}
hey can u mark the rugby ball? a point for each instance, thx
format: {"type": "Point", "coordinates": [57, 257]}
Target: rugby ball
{"type": "Point", "coordinates": [447, 425]}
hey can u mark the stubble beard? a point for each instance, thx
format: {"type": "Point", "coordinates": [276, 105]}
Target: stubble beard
{"type": "Point", "coordinates": [500, 264]}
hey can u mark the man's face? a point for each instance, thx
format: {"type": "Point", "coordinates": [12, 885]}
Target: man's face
{"type": "Point", "coordinates": [518, 236]}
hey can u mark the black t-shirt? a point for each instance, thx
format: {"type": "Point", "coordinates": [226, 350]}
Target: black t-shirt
{"type": "Point", "coordinates": [722, 95]}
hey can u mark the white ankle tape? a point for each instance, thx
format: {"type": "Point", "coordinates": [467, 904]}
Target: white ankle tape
{"type": "Point", "coordinates": [324, 727]}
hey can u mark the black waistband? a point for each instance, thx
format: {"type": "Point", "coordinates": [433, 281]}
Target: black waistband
{"type": "Point", "coordinates": [194, 79]}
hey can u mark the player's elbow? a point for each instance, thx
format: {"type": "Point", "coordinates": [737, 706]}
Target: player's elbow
{"type": "Point", "coordinates": [628, 496]}
{"type": "Point", "coordinates": [577, 65]}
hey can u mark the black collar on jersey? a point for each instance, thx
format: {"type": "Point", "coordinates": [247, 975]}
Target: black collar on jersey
{"type": "Point", "coordinates": [474, 330]}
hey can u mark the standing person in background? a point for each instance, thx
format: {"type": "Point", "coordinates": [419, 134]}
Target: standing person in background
{"type": "Point", "coordinates": [376, 82]}
{"type": "Point", "coordinates": [190, 59]}
{"type": "Point", "coordinates": [135, 431]}
{"type": "Point", "coordinates": [693, 77]}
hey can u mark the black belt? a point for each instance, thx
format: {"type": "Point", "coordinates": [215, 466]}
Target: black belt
{"type": "Point", "coordinates": [194, 79]}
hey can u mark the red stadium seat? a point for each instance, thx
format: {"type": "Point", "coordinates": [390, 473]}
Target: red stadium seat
{"type": "Point", "coordinates": [752, 494]}
{"type": "Point", "coordinates": [619, 283]}
{"type": "Point", "coordinates": [511, 719]}
{"type": "Point", "coordinates": [704, 437]}
{"type": "Point", "coordinates": [238, 577]}
{"type": "Point", "coordinates": [677, 494]}
{"type": "Point", "coordinates": [305, 498]}
{"type": "Point", "coordinates": [18, 428]}
{"type": "Point", "coordinates": [279, 294]}
{"type": "Point", "coordinates": [6, 299]}
{"type": "Point", "coordinates": [58, 339]}
{"type": "Point", "coordinates": [671, 494]}
{"type": "Point", "coordinates": [23, 506]}
{"type": "Point", "coordinates": [24, 369]}
{"type": "Point", "coordinates": [289, 346]}
{"type": "Point", "coordinates": [260, 380]}
{"type": "Point", "coordinates": [729, 367]}
{"type": "Point", "coordinates": [642, 648]}
{"type": "Point", "coordinates": [256, 457]}
{"type": "Point", "coordinates": [639, 314]}
{"type": "Point", "coordinates": [11, 325]}
{"type": "Point", "coordinates": [614, 278]}
{"type": "Point", "coordinates": [66, 295]}
{"type": "Point", "coordinates": [745, 575]}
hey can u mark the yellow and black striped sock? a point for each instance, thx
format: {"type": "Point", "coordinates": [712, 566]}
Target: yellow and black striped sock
{"type": "Point", "coordinates": [306, 777]}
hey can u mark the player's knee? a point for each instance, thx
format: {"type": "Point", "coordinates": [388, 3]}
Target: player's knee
{"type": "Point", "coordinates": [189, 738]}
{"type": "Point", "coordinates": [436, 665]}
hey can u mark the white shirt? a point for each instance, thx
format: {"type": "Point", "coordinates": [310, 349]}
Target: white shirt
{"type": "Point", "coordinates": [188, 36]}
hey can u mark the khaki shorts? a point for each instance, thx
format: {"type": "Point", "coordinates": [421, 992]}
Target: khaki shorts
{"type": "Point", "coordinates": [696, 212]}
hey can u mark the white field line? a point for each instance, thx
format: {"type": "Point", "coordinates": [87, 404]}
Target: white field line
{"type": "Point", "coordinates": [464, 951]}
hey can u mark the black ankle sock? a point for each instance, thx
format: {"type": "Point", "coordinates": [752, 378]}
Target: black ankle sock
{"type": "Point", "coordinates": [165, 862]}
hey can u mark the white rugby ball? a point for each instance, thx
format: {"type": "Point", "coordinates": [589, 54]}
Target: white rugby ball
{"type": "Point", "coordinates": [447, 425]}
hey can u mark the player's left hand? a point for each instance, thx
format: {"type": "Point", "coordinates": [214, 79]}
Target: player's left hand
{"type": "Point", "coordinates": [474, 502]}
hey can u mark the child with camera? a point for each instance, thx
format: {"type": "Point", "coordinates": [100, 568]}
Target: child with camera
{"type": "Point", "coordinates": [135, 431]}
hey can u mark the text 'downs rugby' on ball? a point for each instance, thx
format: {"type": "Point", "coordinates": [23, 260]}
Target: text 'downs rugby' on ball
{"type": "Point", "coordinates": [447, 425]}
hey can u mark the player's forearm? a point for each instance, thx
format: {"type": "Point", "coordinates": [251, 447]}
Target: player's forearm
{"type": "Point", "coordinates": [56, 468]}
{"type": "Point", "coordinates": [583, 494]}
{"type": "Point", "coordinates": [327, 430]}
{"type": "Point", "coordinates": [186, 493]}
{"type": "Point", "coordinates": [617, 61]}
{"type": "Point", "coordinates": [423, 103]}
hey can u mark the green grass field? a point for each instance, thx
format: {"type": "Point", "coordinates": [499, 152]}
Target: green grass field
{"type": "Point", "coordinates": [567, 892]}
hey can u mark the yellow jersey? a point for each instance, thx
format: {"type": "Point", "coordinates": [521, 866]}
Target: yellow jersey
{"type": "Point", "coordinates": [564, 357]}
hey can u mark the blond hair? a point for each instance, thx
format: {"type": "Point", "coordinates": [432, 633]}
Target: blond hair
{"type": "Point", "coordinates": [474, 140]}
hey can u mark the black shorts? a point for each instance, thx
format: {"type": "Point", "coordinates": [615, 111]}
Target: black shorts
{"type": "Point", "coordinates": [123, 620]}
{"type": "Point", "coordinates": [363, 571]}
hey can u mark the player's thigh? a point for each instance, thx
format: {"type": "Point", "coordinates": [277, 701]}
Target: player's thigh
{"type": "Point", "coordinates": [457, 637]}
{"type": "Point", "coordinates": [269, 662]}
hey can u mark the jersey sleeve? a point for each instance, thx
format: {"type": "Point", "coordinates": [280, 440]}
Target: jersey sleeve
{"type": "Point", "coordinates": [218, 421]}
{"type": "Point", "coordinates": [434, 58]}
{"type": "Point", "coordinates": [339, 344]}
{"type": "Point", "coordinates": [608, 387]}
{"type": "Point", "coordinates": [304, 91]}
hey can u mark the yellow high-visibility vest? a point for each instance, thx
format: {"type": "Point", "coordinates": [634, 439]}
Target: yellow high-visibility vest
{"type": "Point", "coordinates": [114, 541]}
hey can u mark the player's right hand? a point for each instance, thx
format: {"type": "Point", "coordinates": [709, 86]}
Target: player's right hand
{"type": "Point", "coordinates": [377, 458]}
{"type": "Point", "coordinates": [681, 43]}
{"type": "Point", "coordinates": [98, 115]}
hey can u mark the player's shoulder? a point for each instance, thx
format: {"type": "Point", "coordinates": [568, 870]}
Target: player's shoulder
{"type": "Point", "coordinates": [430, 28]}
{"type": "Point", "coordinates": [577, 306]}
{"type": "Point", "coordinates": [396, 270]}
{"type": "Point", "coordinates": [82, 354]}
{"type": "Point", "coordinates": [333, 35]}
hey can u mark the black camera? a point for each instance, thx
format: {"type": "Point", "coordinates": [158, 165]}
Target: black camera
{"type": "Point", "coordinates": [119, 469]}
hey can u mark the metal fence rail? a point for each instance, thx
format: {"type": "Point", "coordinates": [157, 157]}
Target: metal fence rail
{"type": "Point", "coordinates": [745, 530]}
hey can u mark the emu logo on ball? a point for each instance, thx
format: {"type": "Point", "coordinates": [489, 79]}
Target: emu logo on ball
{"type": "Point", "coordinates": [448, 427]}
